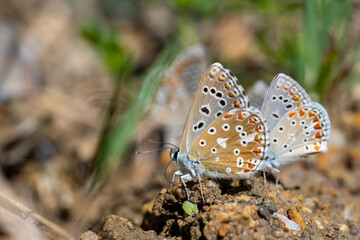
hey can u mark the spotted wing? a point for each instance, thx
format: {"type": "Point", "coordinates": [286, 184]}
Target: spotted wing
{"type": "Point", "coordinates": [219, 91]}
{"type": "Point", "coordinates": [283, 95]}
{"type": "Point", "coordinates": [302, 131]}
{"type": "Point", "coordinates": [234, 145]}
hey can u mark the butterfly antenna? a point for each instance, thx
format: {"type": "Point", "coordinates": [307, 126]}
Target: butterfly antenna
{"type": "Point", "coordinates": [153, 150]}
{"type": "Point", "coordinates": [153, 141]}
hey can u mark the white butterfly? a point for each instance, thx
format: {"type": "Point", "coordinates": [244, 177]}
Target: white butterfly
{"type": "Point", "coordinates": [298, 127]}
{"type": "Point", "coordinates": [223, 137]}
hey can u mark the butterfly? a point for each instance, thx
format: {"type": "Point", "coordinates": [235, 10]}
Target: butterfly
{"type": "Point", "coordinates": [298, 126]}
{"type": "Point", "coordinates": [223, 136]}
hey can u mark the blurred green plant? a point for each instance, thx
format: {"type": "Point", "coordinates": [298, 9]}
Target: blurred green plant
{"type": "Point", "coordinates": [117, 134]}
{"type": "Point", "coordinates": [196, 8]}
{"type": "Point", "coordinates": [317, 52]}
{"type": "Point", "coordinates": [104, 40]}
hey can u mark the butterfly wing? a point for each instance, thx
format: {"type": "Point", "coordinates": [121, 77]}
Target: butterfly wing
{"type": "Point", "coordinates": [176, 91]}
{"type": "Point", "coordinates": [304, 130]}
{"type": "Point", "coordinates": [189, 67]}
{"type": "Point", "coordinates": [218, 92]}
{"type": "Point", "coordinates": [235, 143]}
{"type": "Point", "coordinates": [256, 93]}
{"type": "Point", "coordinates": [283, 95]}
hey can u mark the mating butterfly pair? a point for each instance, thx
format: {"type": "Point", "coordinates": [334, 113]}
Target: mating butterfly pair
{"type": "Point", "coordinates": [225, 137]}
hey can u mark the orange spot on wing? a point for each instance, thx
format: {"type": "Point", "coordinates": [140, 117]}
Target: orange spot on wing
{"type": "Point", "coordinates": [236, 103]}
{"type": "Point", "coordinates": [292, 92]}
{"type": "Point", "coordinates": [240, 116]}
{"type": "Point", "coordinates": [256, 151]}
{"type": "Point", "coordinates": [257, 139]}
{"type": "Point", "coordinates": [257, 129]}
{"type": "Point", "coordinates": [246, 170]}
{"type": "Point", "coordinates": [299, 104]}
{"type": "Point", "coordinates": [316, 119]}
{"type": "Point", "coordinates": [228, 115]}
{"type": "Point", "coordinates": [318, 126]}
{"type": "Point", "coordinates": [250, 166]}
{"type": "Point", "coordinates": [311, 114]}
{"type": "Point", "coordinates": [296, 98]}
{"type": "Point", "coordinates": [318, 135]}
{"type": "Point", "coordinates": [286, 88]}
{"type": "Point", "coordinates": [231, 94]}
{"type": "Point", "coordinates": [301, 113]}
{"type": "Point", "coordinates": [292, 114]}
{"type": "Point", "coordinates": [317, 148]}
{"type": "Point", "coordinates": [227, 86]}
{"type": "Point", "coordinates": [252, 121]}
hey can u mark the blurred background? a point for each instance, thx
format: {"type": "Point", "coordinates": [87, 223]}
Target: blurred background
{"type": "Point", "coordinates": [85, 84]}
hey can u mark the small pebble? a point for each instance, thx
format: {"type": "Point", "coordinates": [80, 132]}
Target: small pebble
{"type": "Point", "coordinates": [224, 229]}
{"type": "Point", "coordinates": [336, 227]}
{"type": "Point", "coordinates": [354, 230]}
{"type": "Point", "coordinates": [278, 233]}
{"type": "Point", "coordinates": [89, 235]}
{"type": "Point", "coordinates": [264, 212]}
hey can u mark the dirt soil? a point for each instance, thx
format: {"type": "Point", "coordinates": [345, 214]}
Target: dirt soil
{"type": "Point", "coordinates": [321, 198]}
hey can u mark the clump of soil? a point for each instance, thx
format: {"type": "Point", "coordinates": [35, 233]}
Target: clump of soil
{"type": "Point", "coordinates": [246, 209]}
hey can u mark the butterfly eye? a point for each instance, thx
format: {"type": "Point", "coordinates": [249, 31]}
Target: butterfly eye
{"type": "Point", "coordinates": [212, 130]}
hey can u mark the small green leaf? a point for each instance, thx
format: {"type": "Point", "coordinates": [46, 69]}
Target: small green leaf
{"type": "Point", "coordinates": [190, 208]}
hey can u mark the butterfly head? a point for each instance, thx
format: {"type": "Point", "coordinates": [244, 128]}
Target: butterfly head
{"type": "Point", "coordinates": [174, 152]}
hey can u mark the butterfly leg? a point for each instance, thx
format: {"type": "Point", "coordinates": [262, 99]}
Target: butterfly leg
{"type": "Point", "coordinates": [183, 178]}
{"type": "Point", "coordinates": [201, 190]}
{"type": "Point", "coordinates": [177, 173]}
{"type": "Point", "coordinates": [264, 177]}
{"type": "Point", "coordinates": [278, 177]}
